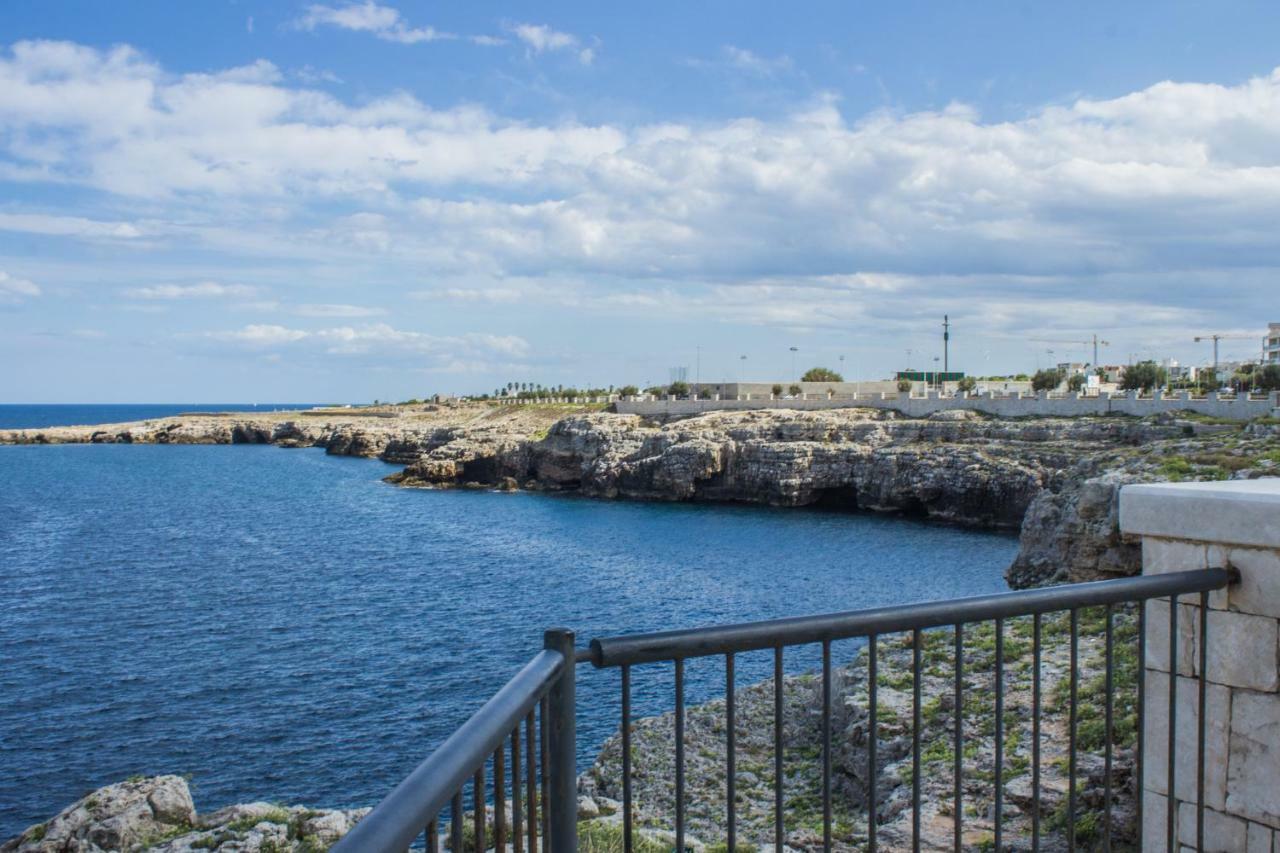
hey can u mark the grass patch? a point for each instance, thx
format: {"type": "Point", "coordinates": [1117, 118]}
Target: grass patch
{"type": "Point", "coordinates": [596, 837]}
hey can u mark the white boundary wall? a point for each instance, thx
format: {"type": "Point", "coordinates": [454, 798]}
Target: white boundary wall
{"type": "Point", "coordinates": [1188, 527]}
{"type": "Point", "coordinates": [1043, 404]}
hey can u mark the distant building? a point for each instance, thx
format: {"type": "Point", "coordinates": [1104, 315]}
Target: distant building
{"type": "Point", "coordinates": [1071, 368]}
{"type": "Point", "coordinates": [1181, 372]}
{"type": "Point", "coordinates": [1271, 351]}
{"type": "Point", "coordinates": [929, 376]}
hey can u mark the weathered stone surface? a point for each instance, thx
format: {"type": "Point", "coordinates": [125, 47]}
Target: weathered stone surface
{"type": "Point", "coordinates": [1218, 700]}
{"type": "Point", "coordinates": [157, 814]}
{"type": "Point", "coordinates": [1242, 651]}
{"type": "Point", "coordinates": [1254, 774]}
{"type": "Point", "coordinates": [1222, 832]}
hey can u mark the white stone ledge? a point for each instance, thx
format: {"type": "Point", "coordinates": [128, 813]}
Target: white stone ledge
{"type": "Point", "coordinates": [1238, 512]}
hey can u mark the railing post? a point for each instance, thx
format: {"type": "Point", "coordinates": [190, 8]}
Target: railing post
{"type": "Point", "coordinates": [562, 809]}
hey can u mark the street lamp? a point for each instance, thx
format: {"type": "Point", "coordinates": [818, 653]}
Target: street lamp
{"type": "Point", "coordinates": [794, 350]}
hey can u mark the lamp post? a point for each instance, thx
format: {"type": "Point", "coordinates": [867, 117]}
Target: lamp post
{"type": "Point", "coordinates": [794, 350]}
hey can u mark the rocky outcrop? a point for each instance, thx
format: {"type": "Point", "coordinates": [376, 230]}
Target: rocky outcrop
{"type": "Point", "coordinates": [157, 814]}
{"type": "Point", "coordinates": [1055, 479]}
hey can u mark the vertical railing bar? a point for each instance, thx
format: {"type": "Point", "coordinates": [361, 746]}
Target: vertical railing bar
{"type": "Point", "coordinates": [626, 758]}
{"type": "Point", "coordinates": [1170, 822]}
{"type": "Point", "coordinates": [499, 800]}
{"type": "Point", "coordinates": [1204, 722]}
{"type": "Point", "coordinates": [517, 810]}
{"type": "Point", "coordinates": [679, 754]}
{"type": "Point", "coordinates": [544, 750]}
{"type": "Point", "coordinates": [1035, 733]}
{"type": "Point", "coordinates": [999, 744]}
{"type": "Point", "coordinates": [559, 739]}
{"type": "Point", "coordinates": [1074, 716]}
{"type": "Point", "coordinates": [1140, 769]}
{"type": "Point", "coordinates": [916, 639]}
{"type": "Point", "coordinates": [531, 783]}
{"type": "Point", "coordinates": [731, 752]}
{"type": "Point", "coordinates": [433, 837]}
{"type": "Point", "coordinates": [778, 771]}
{"type": "Point", "coordinates": [873, 678]}
{"type": "Point", "coordinates": [477, 805]}
{"type": "Point", "coordinates": [1110, 732]}
{"type": "Point", "coordinates": [826, 745]}
{"type": "Point", "coordinates": [455, 821]}
{"type": "Point", "coordinates": [957, 804]}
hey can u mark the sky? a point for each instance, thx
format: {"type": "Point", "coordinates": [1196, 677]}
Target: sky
{"type": "Point", "coordinates": [295, 201]}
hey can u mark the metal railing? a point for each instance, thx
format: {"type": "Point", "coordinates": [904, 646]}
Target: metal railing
{"type": "Point", "coordinates": [548, 681]}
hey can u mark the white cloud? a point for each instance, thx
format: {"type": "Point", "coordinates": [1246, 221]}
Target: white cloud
{"type": "Point", "coordinates": [384, 343]}
{"type": "Point", "coordinates": [14, 290]}
{"type": "Point", "coordinates": [68, 226]}
{"type": "Point", "coordinates": [332, 310]}
{"type": "Point", "coordinates": [540, 38]}
{"type": "Point", "coordinates": [382, 21]}
{"type": "Point", "coordinates": [746, 61]}
{"type": "Point", "coordinates": [1093, 207]}
{"type": "Point", "coordinates": [202, 290]}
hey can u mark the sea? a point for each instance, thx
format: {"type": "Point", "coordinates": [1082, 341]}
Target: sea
{"type": "Point", "coordinates": [282, 625]}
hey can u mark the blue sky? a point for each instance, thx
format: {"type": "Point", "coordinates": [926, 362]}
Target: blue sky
{"type": "Point", "coordinates": [302, 201]}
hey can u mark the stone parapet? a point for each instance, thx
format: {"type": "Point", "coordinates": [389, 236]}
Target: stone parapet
{"type": "Point", "coordinates": [1196, 526]}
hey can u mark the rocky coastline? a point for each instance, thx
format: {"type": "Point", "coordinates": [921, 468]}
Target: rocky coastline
{"type": "Point", "coordinates": [1055, 480]}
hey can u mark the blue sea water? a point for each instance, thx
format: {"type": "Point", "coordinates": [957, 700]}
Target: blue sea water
{"type": "Point", "coordinates": [25, 416]}
{"type": "Point", "coordinates": [282, 625]}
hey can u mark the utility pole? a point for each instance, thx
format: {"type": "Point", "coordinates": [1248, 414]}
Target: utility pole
{"type": "Point", "coordinates": [946, 344]}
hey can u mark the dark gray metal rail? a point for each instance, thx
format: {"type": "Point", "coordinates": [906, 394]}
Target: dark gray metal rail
{"type": "Point", "coordinates": [545, 684]}
{"type": "Point", "coordinates": [545, 691]}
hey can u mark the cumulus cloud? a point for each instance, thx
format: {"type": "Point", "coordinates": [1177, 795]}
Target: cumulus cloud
{"type": "Point", "coordinates": [201, 290]}
{"type": "Point", "coordinates": [382, 21]}
{"type": "Point", "coordinates": [384, 342]}
{"type": "Point", "coordinates": [14, 290]}
{"type": "Point", "coordinates": [1093, 207]}
{"type": "Point", "coordinates": [540, 38]}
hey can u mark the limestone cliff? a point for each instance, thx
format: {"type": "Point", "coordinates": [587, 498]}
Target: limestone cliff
{"type": "Point", "coordinates": [1055, 479]}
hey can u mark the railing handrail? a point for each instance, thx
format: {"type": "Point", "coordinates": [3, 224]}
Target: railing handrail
{"type": "Point", "coordinates": [403, 814]}
{"type": "Point", "coordinates": [753, 636]}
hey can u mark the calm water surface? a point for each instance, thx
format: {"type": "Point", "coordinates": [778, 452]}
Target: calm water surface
{"type": "Point", "coordinates": [282, 625]}
{"type": "Point", "coordinates": [26, 416]}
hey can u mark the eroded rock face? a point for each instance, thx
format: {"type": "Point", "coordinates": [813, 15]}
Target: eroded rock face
{"type": "Point", "coordinates": [157, 814]}
{"type": "Point", "coordinates": [1057, 479]}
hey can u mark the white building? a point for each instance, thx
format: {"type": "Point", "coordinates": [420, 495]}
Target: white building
{"type": "Point", "coordinates": [1271, 351]}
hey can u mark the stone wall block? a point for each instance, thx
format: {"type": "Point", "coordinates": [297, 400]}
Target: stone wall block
{"type": "Point", "coordinates": [1254, 774]}
{"type": "Point", "coordinates": [1258, 591]}
{"type": "Point", "coordinates": [1157, 651]}
{"type": "Point", "coordinates": [1154, 809]}
{"type": "Point", "coordinates": [1161, 556]}
{"type": "Point", "coordinates": [1259, 839]}
{"type": "Point", "coordinates": [1222, 832]}
{"type": "Point", "coordinates": [1156, 737]}
{"type": "Point", "coordinates": [1243, 651]}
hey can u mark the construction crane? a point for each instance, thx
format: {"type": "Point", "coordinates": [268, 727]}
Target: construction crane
{"type": "Point", "coordinates": [1215, 339]}
{"type": "Point", "coordinates": [1095, 342]}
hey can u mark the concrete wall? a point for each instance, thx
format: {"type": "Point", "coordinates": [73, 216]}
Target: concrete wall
{"type": "Point", "coordinates": [1043, 404]}
{"type": "Point", "coordinates": [1192, 526]}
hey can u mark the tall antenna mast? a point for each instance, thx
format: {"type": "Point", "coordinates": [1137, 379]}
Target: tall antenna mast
{"type": "Point", "coordinates": [946, 344]}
